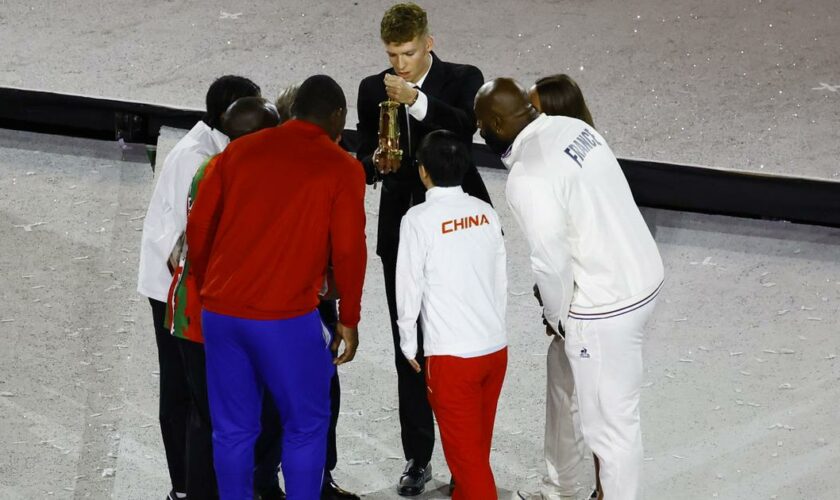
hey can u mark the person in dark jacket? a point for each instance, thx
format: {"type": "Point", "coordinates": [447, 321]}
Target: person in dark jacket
{"type": "Point", "coordinates": [433, 95]}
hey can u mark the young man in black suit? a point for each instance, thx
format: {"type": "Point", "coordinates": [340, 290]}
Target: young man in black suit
{"type": "Point", "coordinates": [433, 95]}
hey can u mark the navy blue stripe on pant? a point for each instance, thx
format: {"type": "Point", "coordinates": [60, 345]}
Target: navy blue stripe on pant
{"type": "Point", "coordinates": [291, 359]}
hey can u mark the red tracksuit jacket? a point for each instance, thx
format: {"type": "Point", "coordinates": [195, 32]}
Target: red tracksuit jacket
{"type": "Point", "coordinates": [278, 206]}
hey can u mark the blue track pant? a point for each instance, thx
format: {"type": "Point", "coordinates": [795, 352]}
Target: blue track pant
{"type": "Point", "coordinates": [291, 359]}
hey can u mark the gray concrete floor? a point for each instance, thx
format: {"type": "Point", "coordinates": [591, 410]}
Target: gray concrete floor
{"type": "Point", "coordinates": [741, 379]}
{"type": "Point", "coordinates": [741, 382]}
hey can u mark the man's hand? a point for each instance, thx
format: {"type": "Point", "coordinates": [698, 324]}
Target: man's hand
{"type": "Point", "coordinates": [384, 164]}
{"type": "Point", "coordinates": [400, 90]}
{"type": "Point", "coordinates": [414, 364]}
{"type": "Point", "coordinates": [551, 331]}
{"type": "Point", "coordinates": [350, 337]}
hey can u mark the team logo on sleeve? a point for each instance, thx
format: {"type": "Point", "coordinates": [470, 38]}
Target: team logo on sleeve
{"type": "Point", "coordinates": [584, 354]}
{"type": "Point", "coordinates": [463, 223]}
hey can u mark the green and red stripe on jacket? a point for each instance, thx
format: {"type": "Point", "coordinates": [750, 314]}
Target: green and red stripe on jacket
{"type": "Point", "coordinates": [183, 311]}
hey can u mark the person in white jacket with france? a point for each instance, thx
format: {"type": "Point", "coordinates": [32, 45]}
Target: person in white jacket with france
{"type": "Point", "coordinates": [596, 264]}
{"type": "Point", "coordinates": [451, 276]}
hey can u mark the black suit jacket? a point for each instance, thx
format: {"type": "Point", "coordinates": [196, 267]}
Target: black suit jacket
{"type": "Point", "coordinates": [450, 89]}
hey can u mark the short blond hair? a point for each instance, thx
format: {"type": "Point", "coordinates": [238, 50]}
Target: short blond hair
{"type": "Point", "coordinates": [403, 23]}
{"type": "Point", "coordinates": [285, 101]}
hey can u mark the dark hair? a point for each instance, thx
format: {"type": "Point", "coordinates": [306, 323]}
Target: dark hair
{"type": "Point", "coordinates": [248, 115]}
{"type": "Point", "coordinates": [284, 102]}
{"type": "Point", "coordinates": [403, 23]}
{"type": "Point", "coordinates": [223, 92]}
{"type": "Point", "coordinates": [317, 98]}
{"type": "Point", "coordinates": [445, 158]}
{"type": "Point", "coordinates": [560, 95]}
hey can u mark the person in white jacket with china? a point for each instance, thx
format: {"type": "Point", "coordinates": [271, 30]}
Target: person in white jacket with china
{"type": "Point", "coordinates": [451, 277]}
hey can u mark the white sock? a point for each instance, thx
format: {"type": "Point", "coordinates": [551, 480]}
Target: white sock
{"type": "Point", "coordinates": [180, 495]}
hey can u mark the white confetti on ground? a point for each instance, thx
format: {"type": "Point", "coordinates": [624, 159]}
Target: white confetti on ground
{"type": "Point", "coordinates": [28, 227]}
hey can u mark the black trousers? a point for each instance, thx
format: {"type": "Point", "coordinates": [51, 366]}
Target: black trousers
{"type": "Point", "coordinates": [201, 477]}
{"type": "Point", "coordinates": [416, 422]}
{"type": "Point", "coordinates": [185, 419]}
{"type": "Point", "coordinates": [174, 406]}
{"type": "Point", "coordinates": [329, 315]}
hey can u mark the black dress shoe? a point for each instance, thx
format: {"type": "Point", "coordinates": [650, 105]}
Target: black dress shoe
{"type": "Point", "coordinates": [272, 493]}
{"type": "Point", "coordinates": [413, 480]}
{"type": "Point", "coordinates": [332, 491]}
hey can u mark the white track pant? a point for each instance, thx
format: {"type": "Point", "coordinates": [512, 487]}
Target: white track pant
{"type": "Point", "coordinates": [605, 358]}
{"type": "Point", "coordinates": [564, 449]}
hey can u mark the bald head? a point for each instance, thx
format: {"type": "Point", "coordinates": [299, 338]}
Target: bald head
{"type": "Point", "coordinates": [247, 115]}
{"type": "Point", "coordinates": [502, 96]}
{"type": "Point", "coordinates": [503, 109]}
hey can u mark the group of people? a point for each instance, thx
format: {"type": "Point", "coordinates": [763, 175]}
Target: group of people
{"type": "Point", "coordinates": [253, 258]}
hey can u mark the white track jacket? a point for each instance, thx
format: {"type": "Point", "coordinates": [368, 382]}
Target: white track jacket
{"type": "Point", "coordinates": [166, 218]}
{"type": "Point", "coordinates": [451, 273]}
{"type": "Point", "coordinates": [591, 251]}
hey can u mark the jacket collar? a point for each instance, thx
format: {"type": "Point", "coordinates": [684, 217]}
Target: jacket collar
{"type": "Point", "coordinates": [210, 138]}
{"type": "Point", "coordinates": [435, 78]}
{"type": "Point", "coordinates": [422, 80]}
{"type": "Point", "coordinates": [515, 149]}
{"type": "Point", "coordinates": [438, 192]}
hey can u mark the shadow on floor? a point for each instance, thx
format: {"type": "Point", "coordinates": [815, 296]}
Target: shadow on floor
{"type": "Point", "coordinates": [435, 490]}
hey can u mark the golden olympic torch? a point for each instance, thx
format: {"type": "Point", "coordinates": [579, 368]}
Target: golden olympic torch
{"type": "Point", "coordinates": [389, 134]}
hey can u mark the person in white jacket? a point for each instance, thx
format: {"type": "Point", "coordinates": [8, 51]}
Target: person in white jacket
{"type": "Point", "coordinates": [596, 264]}
{"type": "Point", "coordinates": [564, 451]}
{"type": "Point", "coordinates": [451, 276]}
{"type": "Point", "coordinates": [166, 220]}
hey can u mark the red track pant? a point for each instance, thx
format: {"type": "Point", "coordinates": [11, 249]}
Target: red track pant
{"type": "Point", "coordinates": [463, 393]}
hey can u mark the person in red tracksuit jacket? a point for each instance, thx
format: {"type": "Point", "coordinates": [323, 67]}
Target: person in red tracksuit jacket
{"type": "Point", "coordinates": [292, 188]}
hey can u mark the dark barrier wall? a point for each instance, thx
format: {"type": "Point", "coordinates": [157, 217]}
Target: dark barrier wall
{"type": "Point", "coordinates": [660, 185]}
{"type": "Point", "coordinates": [90, 117]}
